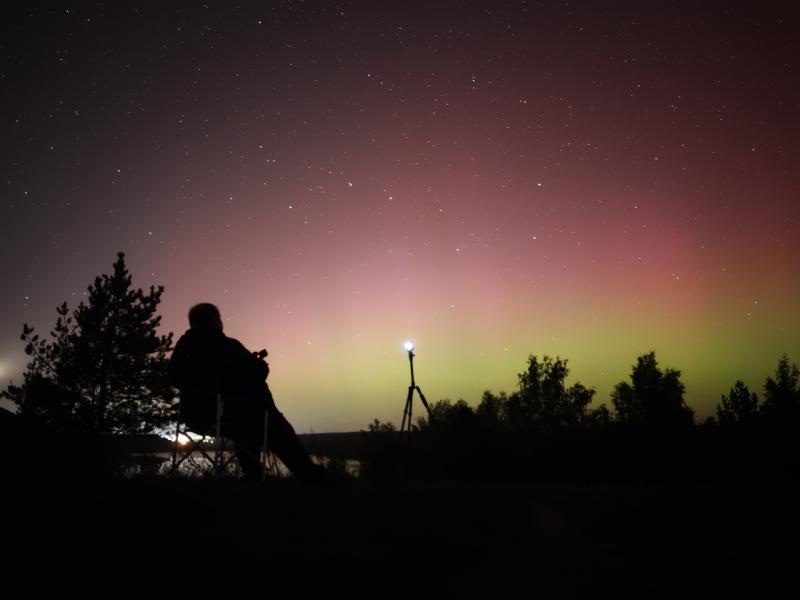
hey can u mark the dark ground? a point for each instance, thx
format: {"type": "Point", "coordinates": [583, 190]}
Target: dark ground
{"type": "Point", "coordinates": [157, 536]}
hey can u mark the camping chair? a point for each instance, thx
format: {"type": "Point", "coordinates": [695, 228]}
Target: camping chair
{"type": "Point", "coordinates": [217, 463]}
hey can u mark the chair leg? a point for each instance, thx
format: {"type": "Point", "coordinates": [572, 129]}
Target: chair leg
{"type": "Point", "coordinates": [175, 447]}
{"type": "Point", "coordinates": [218, 455]}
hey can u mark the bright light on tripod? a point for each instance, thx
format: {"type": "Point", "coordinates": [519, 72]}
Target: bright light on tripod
{"type": "Point", "coordinates": [409, 346]}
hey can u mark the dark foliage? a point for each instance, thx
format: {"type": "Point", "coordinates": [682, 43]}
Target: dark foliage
{"type": "Point", "coordinates": [653, 399]}
{"type": "Point", "coordinates": [104, 369]}
{"type": "Point", "coordinates": [782, 394]}
{"type": "Point", "coordinates": [548, 431]}
{"type": "Point", "coordinates": [740, 407]}
{"type": "Point", "coordinates": [543, 400]}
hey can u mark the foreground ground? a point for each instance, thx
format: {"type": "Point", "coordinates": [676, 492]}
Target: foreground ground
{"type": "Point", "coordinates": [154, 537]}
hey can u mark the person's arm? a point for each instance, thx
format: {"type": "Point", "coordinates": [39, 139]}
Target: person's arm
{"type": "Point", "coordinates": [247, 363]}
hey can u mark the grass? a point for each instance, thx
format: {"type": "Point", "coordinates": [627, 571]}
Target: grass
{"type": "Point", "coordinates": [150, 534]}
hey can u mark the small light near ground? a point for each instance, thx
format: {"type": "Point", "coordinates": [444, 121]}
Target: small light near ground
{"type": "Point", "coordinates": [409, 346]}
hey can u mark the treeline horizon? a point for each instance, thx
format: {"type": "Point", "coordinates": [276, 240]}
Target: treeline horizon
{"type": "Point", "coordinates": [545, 429]}
{"type": "Point", "coordinates": [563, 405]}
{"type": "Point", "coordinates": [102, 371]}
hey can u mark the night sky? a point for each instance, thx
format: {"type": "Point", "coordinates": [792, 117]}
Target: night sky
{"type": "Point", "coordinates": [489, 180]}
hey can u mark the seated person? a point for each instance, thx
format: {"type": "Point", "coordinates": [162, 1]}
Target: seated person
{"type": "Point", "coordinates": [205, 361]}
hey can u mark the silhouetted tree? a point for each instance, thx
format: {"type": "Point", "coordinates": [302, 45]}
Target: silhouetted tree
{"type": "Point", "coordinates": [740, 407]}
{"type": "Point", "coordinates": [491, 410]}
{"type": "Point", "coordinates": [599, 416]}
{"type": "Point", "coordinates": [782, 394]}
{"type": "Point", "coordinates": [653, 398]}
{"type": "Point", "coordinates": [104, 371]}
{"type": "Point", "coordinates": [544, 401]}
{"type": "Point", "coordinates": [447, 415]}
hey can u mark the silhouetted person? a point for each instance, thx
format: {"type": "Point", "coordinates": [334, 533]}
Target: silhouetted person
{"type": "Point", "coordinates": [205, 361]}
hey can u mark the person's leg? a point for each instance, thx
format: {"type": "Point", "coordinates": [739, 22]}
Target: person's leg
{"type": "Point", "coordinates": [248, 433]}
{"type": "Point", "coordinates": [244, 424]}
{"type": "Point", "coordinates": [283, 441]}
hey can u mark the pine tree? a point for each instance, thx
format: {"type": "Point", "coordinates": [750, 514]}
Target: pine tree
{"type": "Point", "coordinates": [782, 394]}
{"type": "Point", "coordinates": [104, 369]}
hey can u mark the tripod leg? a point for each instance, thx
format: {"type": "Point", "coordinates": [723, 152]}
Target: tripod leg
{"type": "Point", "coordinates": [410, 410]}
{"type": "Point", "coordinates": [424, 403]}
{"type": "Point", "coordinates": [407, 410]}
{"type": "Point", "coordinates": [405, 434]}
{"type": "Point", "coordinates": [405, 415]}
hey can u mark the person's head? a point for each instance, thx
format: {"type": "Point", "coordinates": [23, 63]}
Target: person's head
{"type": "Point", "coordinates": [205, 316]}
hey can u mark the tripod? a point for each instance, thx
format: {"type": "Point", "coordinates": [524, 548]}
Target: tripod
{"type": "Point", "coordinates": [409, 399]}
